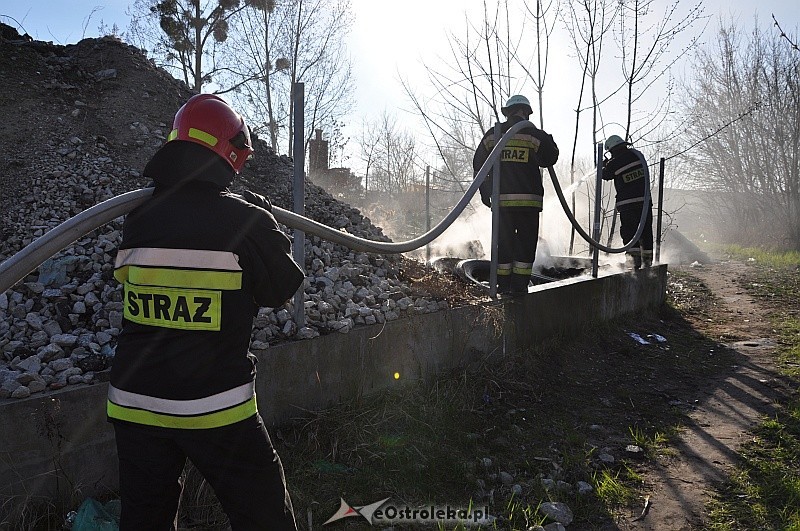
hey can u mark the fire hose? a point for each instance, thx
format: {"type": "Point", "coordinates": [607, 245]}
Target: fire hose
{"type": "Point", "coordinates": [34, 254]}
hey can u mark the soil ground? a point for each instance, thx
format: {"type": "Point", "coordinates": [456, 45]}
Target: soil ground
{"type": "Point", "coordinates": [729, 404]}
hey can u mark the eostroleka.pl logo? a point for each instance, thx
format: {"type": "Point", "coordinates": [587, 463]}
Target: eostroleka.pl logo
{"type": "Point", "coordinates": [385, 512]}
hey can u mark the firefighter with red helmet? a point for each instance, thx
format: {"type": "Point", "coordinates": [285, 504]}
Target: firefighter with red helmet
{"type": "Point", "coordinates": [521, 193]}
{"type": "Point", "coordinates": [628, 169]}
{"type": "Point", "coordinates": [196, 262]}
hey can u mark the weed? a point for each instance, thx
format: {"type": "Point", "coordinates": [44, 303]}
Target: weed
{"type": "Point", "coordinates": [612, 489]}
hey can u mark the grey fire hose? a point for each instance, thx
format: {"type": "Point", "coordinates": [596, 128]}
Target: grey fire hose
{"type": "Point", "coordinates": [584, 235]}
{"type": "Point", "coordinates": [29, 258]}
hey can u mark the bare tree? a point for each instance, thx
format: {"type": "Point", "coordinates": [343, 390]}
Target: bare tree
{"type": "Point", "coordinates": [792, 43]}
{"type": "Point", "coordinates": [487, 65]}
{"type": "Point", "coordinates": [256, 74]}
{"type": "Point", "coordinates": [318, 59]}
{"type": "Point", "coordinates": [545, 17]}
{"type": "Point", "coordinates": [183, 34]}
{"type": "Point", "coordinates": [368, 141]}
{"type": "Point", "coordinates": [390, 154]}
{"type": "Point", "coordinates": [587, 23]}
{"type": "Point", "coordinates": [752, 163]}
{"type": "Point", "coordinates": [645, 40]}
{"type": "Point", "coordinates": [276, 44]}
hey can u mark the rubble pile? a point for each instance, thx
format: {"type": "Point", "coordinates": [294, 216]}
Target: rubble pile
{"type": "Point", "coordinates": [87, 117]}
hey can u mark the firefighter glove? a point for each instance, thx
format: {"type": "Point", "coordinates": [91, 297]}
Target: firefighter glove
{"type": "Point", "coordinates": [257, 200]}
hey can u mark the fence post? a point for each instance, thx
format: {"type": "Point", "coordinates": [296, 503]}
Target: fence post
{"type": "Point", "coordinates": [660, 208]}
{"type": "Point", "coordinates": [598, 191]}
{"type": "Point", "coordinates": [495, 216]}
{"type": "Point", "coordinates": [298, 195]}
{"type": "Point", "coordinates": [427, 211]}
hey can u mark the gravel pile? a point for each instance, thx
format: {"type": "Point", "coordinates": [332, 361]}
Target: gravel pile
{"type": "Point", "coordinates": [59, 326]}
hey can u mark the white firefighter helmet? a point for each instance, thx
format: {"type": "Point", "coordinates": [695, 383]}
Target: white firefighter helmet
{"type": "Point", "coordinates": [514, 101]}
{"type": "Point", "coordinates": [614, 141]}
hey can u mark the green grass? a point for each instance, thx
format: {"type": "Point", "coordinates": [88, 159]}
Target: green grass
{"type": "Point", "coordinates": [764, 492]}
{"type": "Point", "coordinates": [652, 444]}
{"type": "Point", "coordinates": [764, 257]}
{"type": "Point", "coordinates": [617, 488]}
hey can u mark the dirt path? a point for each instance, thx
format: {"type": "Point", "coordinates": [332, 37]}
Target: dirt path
{"type": "Point", "coordinates": [726, 408]}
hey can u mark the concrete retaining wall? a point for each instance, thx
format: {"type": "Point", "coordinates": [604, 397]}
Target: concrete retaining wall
{"type": "Point", "coordinates": [59, 445]}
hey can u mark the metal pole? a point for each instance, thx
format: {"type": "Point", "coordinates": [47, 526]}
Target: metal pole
{"type": "Point", "coordinates": [495, 216]}
{"type": "Point", "coordinates": [299, 189]}
{"type": "Point", "coordinates": [572, 229]}
{"type": "Point", "coordinates": [598, 191]}
{"type": "Point", "coordinates": [660, 208]}
{"type": "Point", "coordinates": [427, 211]}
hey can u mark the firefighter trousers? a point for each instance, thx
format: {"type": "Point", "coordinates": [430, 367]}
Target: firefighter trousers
{"type": "Point", "coordinates": [516, 248]}
{"type": "Point", "coordinates": [628, 223]}
{"type": "Point", "coordinates": [237, 461]}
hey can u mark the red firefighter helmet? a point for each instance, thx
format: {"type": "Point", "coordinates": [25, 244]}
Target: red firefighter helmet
{"type": "Point", "coordinates": [206, 119]}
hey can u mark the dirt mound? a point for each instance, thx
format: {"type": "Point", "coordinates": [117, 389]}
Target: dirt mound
{"type": "Point", "coordinates": [104, 98]}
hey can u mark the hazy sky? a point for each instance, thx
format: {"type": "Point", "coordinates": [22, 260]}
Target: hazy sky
{"type": "Point", "coordinates": [390, 38]}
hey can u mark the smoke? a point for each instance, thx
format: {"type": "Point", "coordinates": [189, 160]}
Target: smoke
{"type": "Point", "coordinates": [402, 218]}
{"type": "Point", "coordinates": [469, 236]}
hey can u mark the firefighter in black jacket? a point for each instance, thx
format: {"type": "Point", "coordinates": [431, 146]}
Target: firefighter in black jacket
{"type": "Point", "coordinates": [628, 169]}
{"type": "Point", "coordinates": [196, 262]}
{"type": "Point", "coordinates": [521, 193]}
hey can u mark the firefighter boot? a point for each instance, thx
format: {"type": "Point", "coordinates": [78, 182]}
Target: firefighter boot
{"type": "Point", "coordinates": [633, 260]}
{"type": "Point", "coordinates": [647, 257]}
{"type": "Point", "coordinates": [503, 284]}
{"type": "Point", "coordinates": [519, 284]}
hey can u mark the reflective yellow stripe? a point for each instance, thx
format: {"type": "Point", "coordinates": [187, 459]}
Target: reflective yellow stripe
{"type": "Point", "coordinates": [630, 201]}
{"type": "Point", "coordinates": [522, 143]}
{"type": "Point", "coordinates": [521, 203]}
{"type": "Point", "coordinates": [172, 135]}
{"type": "Point", "coordinates": [210, 420]}
{"type": "Point", "coordinates": [182, 278]}
{"type": "Point", "coordinates": [202, 136]}
{"type": "Point", "coordinates": [625, 168]}
{"type": "Point", "coordinates": [182, 258]}
{"type": "Point", "coordinates": [518, 140]}
{"type": "Point", "coordinates": [503, 272]}
{"type": "Point", "coordinates": [184, 309]}
{"type": "Point", "coordinates": [186, 407]}
{"type": "Point", "coordinates": [523, 270]}
{"type": "Point", "coordinates": [503, 197]}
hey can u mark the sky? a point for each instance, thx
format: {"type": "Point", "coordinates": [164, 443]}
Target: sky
{"type": "Point", "coordinates": [389, 40]}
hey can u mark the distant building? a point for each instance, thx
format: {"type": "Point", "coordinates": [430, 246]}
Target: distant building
{"type": "Point", "coordinates": [339, 181]}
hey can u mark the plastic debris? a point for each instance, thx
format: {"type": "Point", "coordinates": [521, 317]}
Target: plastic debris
{"type": "Point", "coordinates": [94, 516]}
{"type": "Point", "coordinates": [639, 339]}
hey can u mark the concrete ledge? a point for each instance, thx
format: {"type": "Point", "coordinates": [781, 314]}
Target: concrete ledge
{"type": "Point", "coordinates": [59, 445]}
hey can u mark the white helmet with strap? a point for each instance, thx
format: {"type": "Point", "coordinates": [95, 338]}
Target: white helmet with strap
{"type": "Point", "coordinates": [514, 101]}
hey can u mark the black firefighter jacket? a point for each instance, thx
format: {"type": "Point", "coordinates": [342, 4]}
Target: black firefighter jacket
{"type": "Point", "coordinates": [196, 262]}
{"type": "Point", "coordinates": [630, 176]}
{"type": "Point", "coordinates": [520, 177]}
